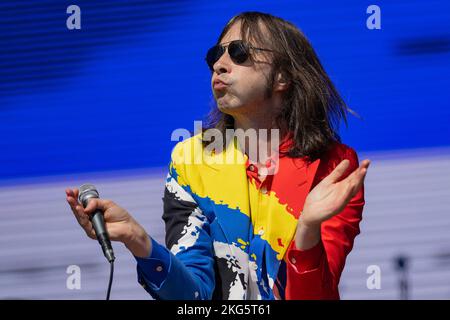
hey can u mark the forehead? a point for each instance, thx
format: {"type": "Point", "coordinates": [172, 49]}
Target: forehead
{"type": "Point", "coordinates": [255, 37]}
{"type": "Point", "coordinates": [234, 33]}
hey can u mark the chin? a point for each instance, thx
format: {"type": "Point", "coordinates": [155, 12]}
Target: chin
{"type": "Point", "coordinates": [230, 105]}
{"type": "Point", "coordinates": [223, 105]}
{"type": "Point", "coordinates": [228, 109]}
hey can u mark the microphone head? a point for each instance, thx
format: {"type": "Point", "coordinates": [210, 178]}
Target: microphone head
{"type": "Point", "coordinates": [87, 191]}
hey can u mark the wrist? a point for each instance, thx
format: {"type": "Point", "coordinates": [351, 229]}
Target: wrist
{"type": "Point", "coordinates": [138, 242]}
{"type": "Point", "coordinates": [306, 223]}
{"type": "Point", "coordinates": [308, 234]}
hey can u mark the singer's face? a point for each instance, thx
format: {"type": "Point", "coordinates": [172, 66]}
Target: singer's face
{"type": "Point", "coordinates": [245, 84]}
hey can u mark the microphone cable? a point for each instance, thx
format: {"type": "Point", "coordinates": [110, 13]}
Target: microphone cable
{"type": "Point", "coordinates": [111, 275]}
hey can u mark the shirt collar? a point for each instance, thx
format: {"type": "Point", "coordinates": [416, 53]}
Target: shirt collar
{"type": "Point", "coordinates": [271, 164]}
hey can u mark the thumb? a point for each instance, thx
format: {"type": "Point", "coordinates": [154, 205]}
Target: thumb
{"type": "Point", "coordinates": [340, 169]}
{"type": "Point", "coordinates": [99, 204]}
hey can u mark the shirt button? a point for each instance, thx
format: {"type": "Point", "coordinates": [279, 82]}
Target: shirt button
{"type": "Point", "coordinates": [293, 260]}
{"type": "Point", "coordinates": [159, 268]}
{"type": "Point", "coordinates": [264, 189]}
{"type": "Point", "coordinates": [251, 167]}
{"type": "Point", "coordinates": [261, 232]}
{"type": "Point", "coordinates": [196, 294]}
{"type": "Point", "coordinates": [255, 266]}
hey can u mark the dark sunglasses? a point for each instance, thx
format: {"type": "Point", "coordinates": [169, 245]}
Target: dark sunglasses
{"type": "Point", "coordinates": [238, 50]}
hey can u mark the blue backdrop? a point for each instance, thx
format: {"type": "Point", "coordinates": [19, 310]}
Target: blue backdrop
{"type": "Point", "coordinates": [108, 96]}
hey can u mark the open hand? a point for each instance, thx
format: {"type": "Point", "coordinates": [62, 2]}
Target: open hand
{"type": "Point", "coordinates": [330, 196]}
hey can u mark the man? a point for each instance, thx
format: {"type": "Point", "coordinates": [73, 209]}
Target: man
{"type": "Point", "coordinates": [244, 230]}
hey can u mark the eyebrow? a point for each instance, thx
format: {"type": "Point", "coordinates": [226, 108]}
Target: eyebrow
{"type": "Point", "coordinates": [228, 42]}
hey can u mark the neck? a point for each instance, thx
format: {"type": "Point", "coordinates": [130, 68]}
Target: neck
{"type": "Point", "coordinates": [262, 132]}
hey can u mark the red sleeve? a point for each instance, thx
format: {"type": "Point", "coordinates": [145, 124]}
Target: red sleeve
{"type": "Point", "coordinates": [315, 273]}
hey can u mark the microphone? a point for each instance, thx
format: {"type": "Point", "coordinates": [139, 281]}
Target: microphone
{"type": "Point", "coordinates": [87, 192]}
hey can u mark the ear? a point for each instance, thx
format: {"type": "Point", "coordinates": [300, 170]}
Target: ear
{"type": "Point", "coordinates": [281, 83]}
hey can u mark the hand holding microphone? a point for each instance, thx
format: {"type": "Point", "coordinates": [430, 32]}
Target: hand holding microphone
{"type": "Point", "coordinates": [119, 224]}
{"type": "Point", "coordinates": [87, 193]}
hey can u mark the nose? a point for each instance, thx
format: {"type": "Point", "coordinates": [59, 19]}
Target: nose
{"type": "Point", "coordinates": [223, 65]}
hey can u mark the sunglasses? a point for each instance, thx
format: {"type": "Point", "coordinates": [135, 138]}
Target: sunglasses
{"type": "Point", "coordinates": [238, 50]}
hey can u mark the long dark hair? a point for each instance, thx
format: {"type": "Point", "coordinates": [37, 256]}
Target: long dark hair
{"type": "Point", "coordinates": [312, 108]}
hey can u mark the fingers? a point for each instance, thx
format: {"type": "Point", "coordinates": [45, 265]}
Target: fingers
{"type": "Point", "coordinates": [82, 214]}
{"type": "Point", "coordinates": [337, 172]}
{"type": "Point", "coordinates": [365, 164]}
{"type": "Point", "coordinates": [361, 171]}
{"type": "Point", "coordinates": [78, 212]}
{"type": "Point", "coordinates": [364, 167]}
{"type": "Point", "coordinates": [71, 198]}
{"type": "Point", "coordinates": [356, 179]}
{"type": "Point", "coordinates": [75, 193]}
{"type": "Point", "coordinates": [90, 232]}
